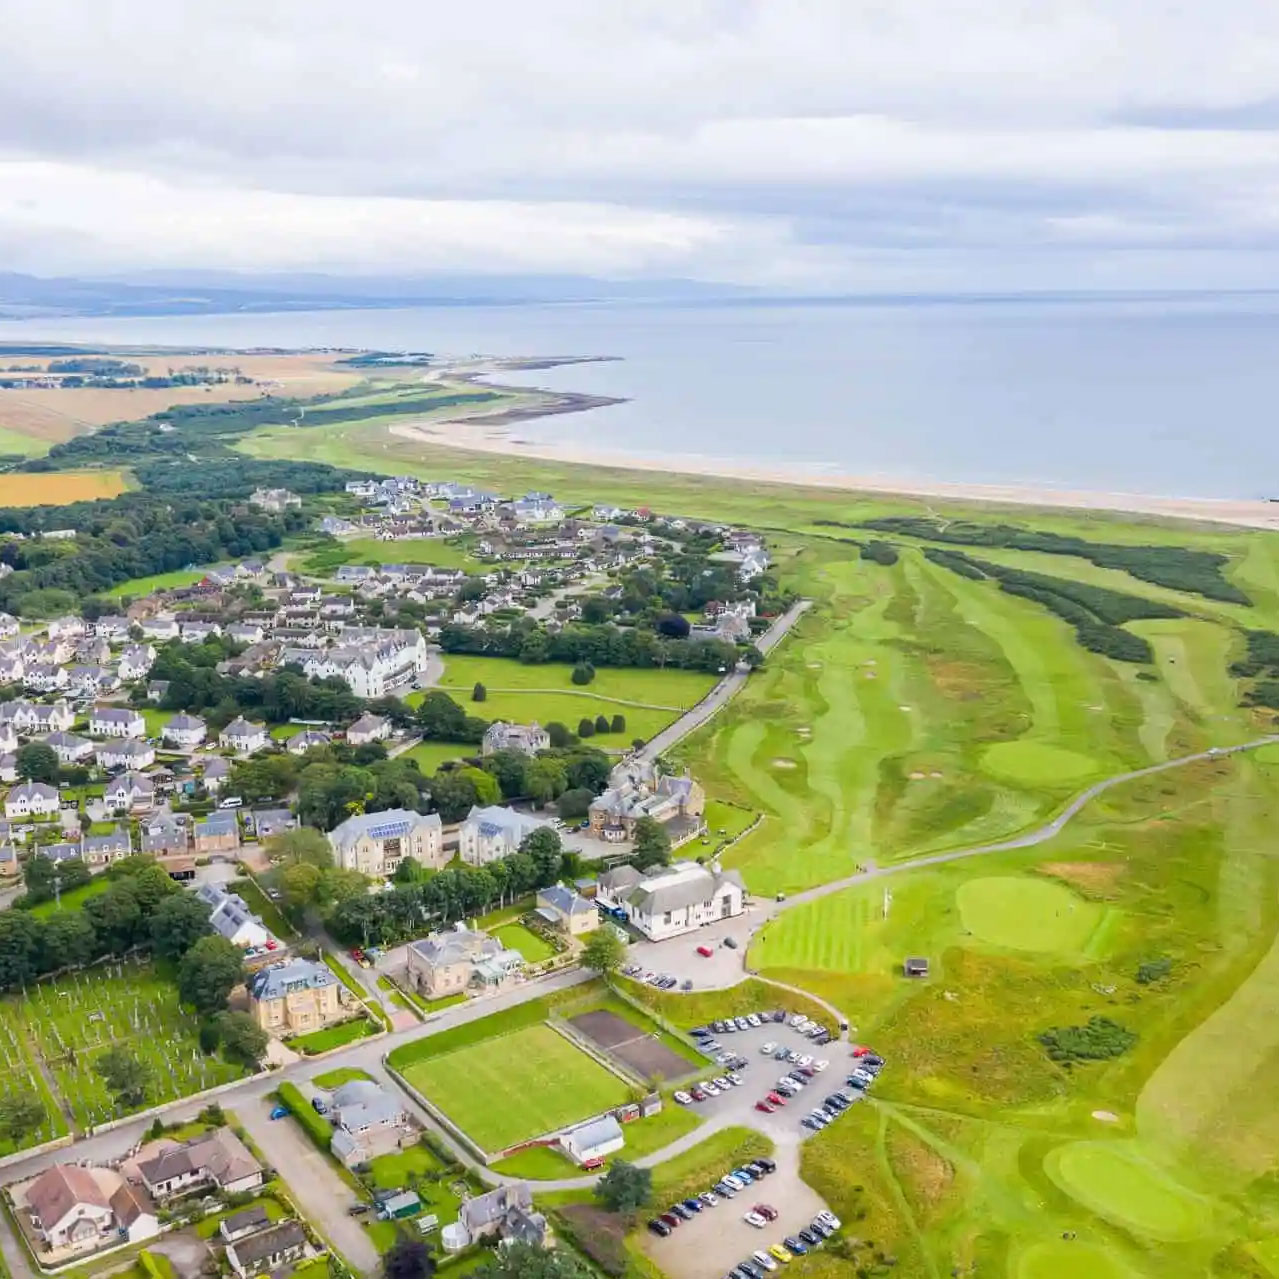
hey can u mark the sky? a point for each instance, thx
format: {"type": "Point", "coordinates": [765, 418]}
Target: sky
{"type": "Point", "coordinates": [788, 145]}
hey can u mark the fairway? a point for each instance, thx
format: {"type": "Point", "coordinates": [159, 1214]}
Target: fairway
{"type": "Point", "coordinates": [1037, 764]}
{"type": "Point", "coordinates": [521, 1085]}
{"type": "Point", "coordinates": [1026, 914]}
{"type": "Point", "coordinates": [58, 488]}
{"type": "Point", "coordinates": [1116, 1182]}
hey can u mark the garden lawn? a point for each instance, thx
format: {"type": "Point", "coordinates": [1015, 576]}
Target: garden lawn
{"type": "Point", "coordinates": [565, 707]}
{"type": "Point", "coordinates": [321, 1041]}
{"type": "Point", "coordinates": [262, 905]}
{"type": "Point", "coordinates": [342, 1075]}
{"type": "Point", "coordinates": [156, 719]}
{"type": "Point", "coordinates": [517, 1086]}
{"type": "Point", "coordinates": [74, 899]}
{"type": "Point", "coordinates": [428, 756]}
{"type": "Point", "coordinates": [528, 943]}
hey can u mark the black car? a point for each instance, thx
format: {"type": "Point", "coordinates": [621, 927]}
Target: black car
{"type": "Point", "coordinates": [659, 1228]}
{"type": "Point", "coordinates": [779, 1015]}
{"type": "Point", "coordinates": [823, 1038]}
{"type": "Point", "coordinates": [752, 1268]}
{"type": "Point", "coordinates": [681, 1212]}
{"type": "Point", "coordinates": [873, 1059]}
{"type": "Point", "coordinates": [811, 1239]}
{"type": "Point", "coordinates": [756, 1167]}
{"type": "Point", "coordinates": [701, 1032]}
{"type": "Point", "coordinates": [730, 943]}
{"type": "Point", "coordinates": [768, 1165]}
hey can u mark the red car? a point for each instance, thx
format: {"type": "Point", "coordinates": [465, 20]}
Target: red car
{"type": "Point", "coordinates": [767, 1211]}
{"type": "Point", "coordinates": [765, 1106]}
{"type": "Point", "coordinates": [776, 1098]}
{"type": "Point", "coordinates": [860, 1051]}
{"type": "Point", "coordinates": [705, 951]}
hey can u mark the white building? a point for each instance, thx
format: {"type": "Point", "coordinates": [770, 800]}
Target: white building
{"type": "Point", "coordinates": [493, 832]}
{"type": "Point", "coordinates": [33, 717]}
{"type": "Point", "coordinates": [136, 661]}
{"type": "Point", "coordinates": [376, 843]}
{"type": "Point", "coordinates": [243, 737]}
{"type": "Point", "coordinates": [185, 731]}
{"type": "Point", "coordinates": [670, 900]}
{"type": "Point", "coordinates": [127, 792]}
{"type": "Point", "coordinates": [529, 738]}
{"type": "Point", "coordinates": [591, 1143]}
{"type": "Point", "coordinates": [32, 799]}
{"type": "Point", "coordinates": [68, 747]}
{"type": "Point", "coordinates": [163, 626]}
{"type": "Point", "coordinates": [230, 917]}
{"type": "Point", "coordinates": [368, 728]}
{"type": "Point", "coordinates": [126, 754]}
{"type": "Point", "coordinates": [116, 721]}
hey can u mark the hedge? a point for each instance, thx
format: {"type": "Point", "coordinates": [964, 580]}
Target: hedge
{"type": "Point", "coordinates": [317, 1127]}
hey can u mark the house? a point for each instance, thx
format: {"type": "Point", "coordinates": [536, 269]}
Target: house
{"type": "Point", "coordinates": [8, 625]}
{"type": "Point", "coordinates": [671, 900]}
{"type": "Point", "coordinates": [274, 499]}
{"type": "Point", "coordinates": [116, 721]}
{"type": "Point", "coordinates": [196, 631]}
{"type": "Point", "coordinates": [126, 754]}
{"type": "Point", "coordinates": [528, 738]}
{"type": "Point", "coordinates": [376, 843]}
{"type": "Point", "coordinates": [567, 910]}
{"type": "Point", "coordinates": [368, 728]}
{"type": "Point", "coordinates": [32, 799]}
{"type": "Point", "coordinates": [307, 740]}
{"type": "Point", "coordinates": [186, 732]}
{"type": "Point", "coordinates": [267, 1250]}
{"type": "Point", "coordinates": [505, 1213]}
{"type": "Point", "coordinates": [69, 748]}
{"type": "Point", "coordinates": [242, 736]}
{"type": "Point", "coordinates": [75, 1207]}
{"type": "Point", "coordinates": [217, 833]}
{"type": "Point", "coordinates": [216, 1160]}
{"type": "Point", "coordinates": [368, 1121]}
{"type": "Point", "coordinates": [294, 997]}
{"type": "Point", "coordinates": [163, 626]}
{"type": "Point", "coordinates": [129, 791]}
{"type": "Point", "coordinates": [449, 963]}
{"type": "Point", "coordinates": [92, 681]}
{"type": "Point", "coordinates": [493, 832]}
{"type": "Point", "coordinates": [246, 632]}
{"type": "Point", "coordinates": [9, 767]}
{"type": "Point", "coordinates": [32, 717]}
{"type": "Point", "coordinates": [9, 865]}
{"type": "Point", "coordinates": [215, 774]}
{"type": "Point", "coordinates": [165, 835]}
{"type": "Point", "coordinates": [136, 661]}
{"type": "Point", "coordinates": [591, 1143]}
{"type": "Point", "coordinates": [240, 1225]}
{"type": "Point", "coordinates": [157, 690]}
{"type": "Point", "coordinates": [638, 790]}
{"type": "Point", "coordinates": [8, 738]}
{"type": "Point", "coordinates": [112, 627]}
{"type": "Point", "coordinates": [43, 677]}
{"type": "Point", "coordinates": [271, 821]}
{"type": "Point", "coordinates": [230, 917]}
{"type": "Point", "coordinates": [68, 627]}
{"type": "Point", "coordinates": [102, 850]}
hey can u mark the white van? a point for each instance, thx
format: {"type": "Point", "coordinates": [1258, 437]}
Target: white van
{"type": "Point", "coordinates": [231, 801]}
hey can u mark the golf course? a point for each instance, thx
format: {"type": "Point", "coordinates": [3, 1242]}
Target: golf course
{"type": "Point", "coordinates": [1084, 1087]}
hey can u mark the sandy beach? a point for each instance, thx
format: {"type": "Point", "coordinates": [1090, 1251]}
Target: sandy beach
{"type": "Point", "coordinates": [479, 435]}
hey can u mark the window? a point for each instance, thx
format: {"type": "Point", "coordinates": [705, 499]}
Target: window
{"type": "Point", "coordinates": [666, 919]}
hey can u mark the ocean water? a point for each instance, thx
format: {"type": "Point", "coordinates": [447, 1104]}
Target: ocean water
{"type": "Point", "coordinates": [1172, 395]}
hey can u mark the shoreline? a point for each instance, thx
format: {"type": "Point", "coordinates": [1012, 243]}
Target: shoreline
{"type": "Point", "coordinates": [480, 433]}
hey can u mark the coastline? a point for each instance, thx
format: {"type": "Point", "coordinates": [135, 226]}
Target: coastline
{"type": "Point", "coordinates": [481, 433]}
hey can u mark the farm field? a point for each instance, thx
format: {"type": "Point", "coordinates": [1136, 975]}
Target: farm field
{"type": "Point", "coordinates": [916, 711]}
{"type": "Point", "coordinates": [519, 1085]}
{"type": "Point", "coordinates": [58, 488]}
{"type": "Point", "coordinates": [67, 1022]}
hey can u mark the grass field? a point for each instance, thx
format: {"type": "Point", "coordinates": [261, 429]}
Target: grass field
{"type": "Point", "coordinates": [528, 943]}
{"type": "Point", "coordinates": [438, 551]}
{"type": "Point", "coordinates": [72, 900]}
{"type": "Point", "coordinates": [914, 711]}
{"type": "Point", "coordinates": [520, 1085]}
{"type": "Point", "coordinates": [140, 586]}
{"type": "Point", "coordinates": [322, 1041]}
{"type": "Point", "coordinates": [668, 689]}
{"type": "Point", "coordinates": [57, 488]}
{"type": "Point", "coordinates": [430, 755]}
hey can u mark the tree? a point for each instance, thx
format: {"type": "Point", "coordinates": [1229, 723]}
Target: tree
{"type": "Point", "coordinates": [603, 952]}
{"type": "Point", "coordinates": [618, 725]}
{"type": "Point", "coordinates": [509, 767]}
{"type": "Point", "coordinates": [21, 1113]}
{"type": "Point", "coordinates": [243, 1040]}
{"type": "Point", "coordinates": [44, 877]}
{"type": "Point", "coordinates": [559, 735]}
{"type": "Point", "coordinates": [673, 626]}
{"type": "Point", "coordinates": [208, 973]}
{"type": "Point", "coordinates": [624, 1187]}
{"type": "Point", "coordinates": [67, 940]}
{"type": "Point", "coordinates": [177, 924]}
{"type": "Point", "coordinates": [300, 886]}
{"type": "Point", "coordinates": [585, 727]}
{"type": "Point", "coordinates": [544, 779]}
{"type": "Point", "coordinates": [125, 1076]}
{"type": "Point", "coordinates": [574, 804]}
{"type": "Point", "coordinates": [37, 762]}
{"type": "Point", "coordinates": [544, 847]}
{"type": "Point", "coordinates": [652, 844]}
{"type": "Point", "coordinates": [453, 794]}
{"type": "Point", "coordinates": [583, 673]}
{"type": "Point", "coordinates": [440, 718]}
{"type": "Point", "coordinates": [479, 693]}
{"type": "Point", "coordinates": [301, 844]}
{"type": "Point", "coordinates": [528, 1261]}
{"type": "Point", "coordinates": [589, 769]}
{"type": "Point", "coordinates": [601, 723]}
{"type": "Point", "coordinates": [408, 1258]}
{"type": "Point", "coordinates": [487, 791]}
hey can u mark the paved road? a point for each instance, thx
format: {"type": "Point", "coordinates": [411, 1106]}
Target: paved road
{"type": "Point", "coordinates": [725, 690]}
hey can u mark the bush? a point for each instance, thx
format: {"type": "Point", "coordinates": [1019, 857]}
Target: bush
{"type": "Point", "coordinates": [1098, 1040]}
{"type": "Point", "coordinates": [586, 727]}
{"type": "Point", "coordinates": [601, 723]}
{"type": "Point", "coordinates": [879, 553]}
{"type": "Point", "coordinates": [618, 725]}
{"type": "Point", "coordinates": [1152, 970]}
{"type": "Point", "coordinates": [574, 804]}
{"type": "Point", "coordinates": [583, 673]}
{"type": "Point", "coordinates": [317, 1127]}
{"type": "Point", "coordinates": [479, 693]}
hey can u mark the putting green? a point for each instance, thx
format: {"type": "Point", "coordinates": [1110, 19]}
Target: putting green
{"type": "Point", "coordinates": [1115, 1181]}
{"type": "Point", "coordinates": [1037, 764]}
{"type": "Point", "coordinates": [1060, 1259]}
{"type": "Point", "coordinates": [1026, 914]}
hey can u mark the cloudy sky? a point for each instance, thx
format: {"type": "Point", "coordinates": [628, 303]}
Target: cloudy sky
{"type": "Point", "coordinates": [788, 144]}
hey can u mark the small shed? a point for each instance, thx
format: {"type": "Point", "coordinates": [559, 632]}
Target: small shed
{"type": "Point", "coordinates": [591, 1143]}
{"type": "Point", "coordinates": [403, 1204]}
{"type": "Point", "coordinates": [915, 966]}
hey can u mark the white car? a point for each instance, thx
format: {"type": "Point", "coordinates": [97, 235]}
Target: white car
{"type": "Point", "coordinates": [755, 1219]}
{"type": "Point", "coordinates": [820, 1064]}
{"type": "Point", "coordinates": [805, 1060]}
{"type": "Point", "coordinates": [764, 1260]}
{"type": "Point", "coordinates": [768, 1050]}
{"type": "Point", "coordinates": [709, 1198]}
{"type": "Point", "coordinates": [709, 1089]}
{"type": "Point", "coordinates": [795, 1018]}
{"type": "Point", "coordinates": [829, 1218]}
{"type": "Point", "coordinates": [754, 1020]}
{"type": "Point", "coordinates": [684, 1098]}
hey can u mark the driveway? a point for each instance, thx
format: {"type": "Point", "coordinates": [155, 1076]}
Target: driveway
{"type": "Point", "coordinates": [321, 1195]}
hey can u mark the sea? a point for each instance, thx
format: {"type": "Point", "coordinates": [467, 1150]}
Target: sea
{"type": "Point", "coordinates": [1174, 395]}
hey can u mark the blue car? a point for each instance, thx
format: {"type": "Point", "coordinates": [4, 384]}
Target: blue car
{"type": "Point", "coordinates": [279, 1112]}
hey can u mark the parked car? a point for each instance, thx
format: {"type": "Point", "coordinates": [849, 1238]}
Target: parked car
{"type": "Point", "coordinates": [683, 1098]}
{"type": "Point", "coordinates": [730, 942]}
{"type": "Point", "coordinates": [776, 1098]}
{"type": "Point", "coordinates": [779, 1252]}
{"type": "Point", "coordinates": [670, 1220]}
{"type": "Point", "coordinates": [767, 1211]}
{"type": "Point", "coordinates": [768, 1050]}
{"type": "Point", "coordinates": [754, 1219]}
{"type": "Point", "coordinates": [280, 1112]}
{"type": "Point", "coordinates": [763, 1259]}
{"type": "Point", "coordinates": [779, 1015]}
{"type": "Point", "coordinates": [684, 1214]}
{"type": "Point", "coordinates": [795, 1245]}
{"type": "Point", "coordinates": [709, 1198]}
{"type": "Point", "coordinates": [693, 1204]}
{"type": "Point", "coordinates": [768, 1165]}
{"type": "Point", "coordinates": [766, 1106]}
{"type": "Point", "coordinates": [705, 951]}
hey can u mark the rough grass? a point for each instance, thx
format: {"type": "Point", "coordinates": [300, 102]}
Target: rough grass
{"type": "Point", "coordinates": [520, 1085]}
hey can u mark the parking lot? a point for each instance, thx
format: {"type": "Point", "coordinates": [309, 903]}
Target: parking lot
{"type": "Point", "coordinates": [679, 956]}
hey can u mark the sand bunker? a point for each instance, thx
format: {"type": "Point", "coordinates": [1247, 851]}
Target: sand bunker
{"type": "Point", "coordinates": [1106, 1116]}
{"type": "Point", "coordinates": [782, 762]}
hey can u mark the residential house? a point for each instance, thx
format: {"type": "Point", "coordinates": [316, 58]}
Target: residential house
{"type": "Point", "coordinates": [136, 661]}
{"type": "Point", "coordinates": [567, 910]}
{"type": "Point", "coordinates": [116, 721]}
{"type": "Point", "coordinates": [217, 833]}
{"type": "Point", "coordinates": [376, 843]}
{"type": "Point", "coordinates": [157, 690]}
{"type": "Point", "coordinates": [295, 997]}
{"type": "Point", "coordinates": [671, 900]}
{"type": "Point", "coordinates": [196, 631]}
{"type": "Point", "coordinates": [112, 627]}
{"type": "Point", "coordinates": [268, 1250]}
{"type": "Point", "coordinates": [126, 754]}
{"type": "Point", "coordinates": [215, 773]}
{"type": "Point", "coordinates": [246, 632]}
{"type": "Point", "coordinates": [186, 732]}
{"type": "Point", "coordinates": [165, 835]}
{"type": "Point", "coordinates": [8, 625]}
{"type": "Point", "coordinates": [640, 790]}
{"type": "Point", "coordinates": [216, 1160]}
{"type": "Point", "coordinates": [69, 748]}
{"type": "Point", "coordinates": [9, 865]}
{"type": "Point", "coordinates": [271, 821]}
{"type": "Point", "coordinates": [492, 832]}
{"type": "Point", "coordinates": [591, 1143]}
{"type": "Point", "coordinates": [9, 767]}
{"type": "Point", "coordinates": [230, 917]}
{"type": "Point", "coordinates": [163, 626]}
{"type": "Point", "coordinates": [32, 799]}
{"type": "Point", "coordinates": [129, 791]}
{"type": "Point", "coordinates": [368, 1121]}
{"type": "Point", "coordinates": [243, 737]}
{"type": "Point", "coordinates": [451, 962]}
{"type": "Point", "coordinates": [77, 1208]}
{"type": "Point", "coordinates": [8, 738]}
{"type": "Point", "coordinates": [92, 681]}
{"type": "Point", "coordinates": [528, 738]}
{"type": "Point", "coordinates": [239, 1225]}
{"type": "Point", "coordinates": [43, 677]}
{"type": "Point", "coordinates": [307, 740]}
{"type": "Point", "coordinates": [504, 1213]}
{"type": "Point", "coordinates": [368, 728]}
{"type": "Point", "coordinates": [68, 627]}
{"type": "Point", "coordinates": [274, 499]}
{"type": "Point", "coordinates": [102, 850]}
{"type": "Point", "coordinates": [36, 717]}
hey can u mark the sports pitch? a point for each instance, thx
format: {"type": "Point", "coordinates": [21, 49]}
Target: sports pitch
{"type": "Point", "coordinates": [505, 1090]}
